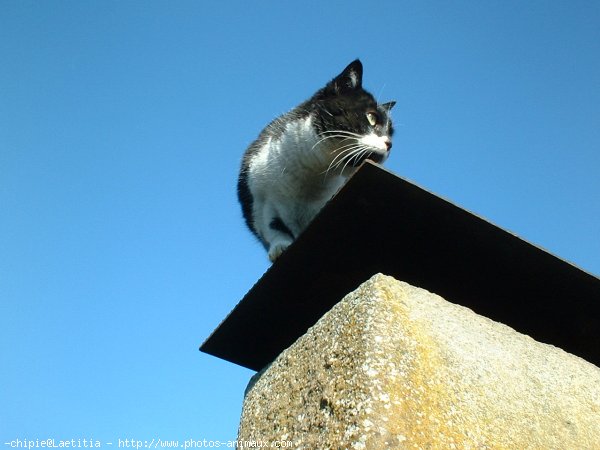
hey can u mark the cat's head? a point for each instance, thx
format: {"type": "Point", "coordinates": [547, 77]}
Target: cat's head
{"type": "Point", "coordinates": [350, 123]}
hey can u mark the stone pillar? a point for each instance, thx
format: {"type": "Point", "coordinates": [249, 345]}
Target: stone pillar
{"type": "Point", "coordinates": [395, 366]}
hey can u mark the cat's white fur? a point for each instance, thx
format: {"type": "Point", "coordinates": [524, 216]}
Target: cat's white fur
{"type": "Point", "coordinates": [289, 178]}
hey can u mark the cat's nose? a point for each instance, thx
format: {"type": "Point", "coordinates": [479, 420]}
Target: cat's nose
{"type": "Point", "coordinates": [388, 144]}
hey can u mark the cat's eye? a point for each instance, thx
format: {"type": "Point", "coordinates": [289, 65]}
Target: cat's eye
{"type": "Point", "coordinates": [372, 118]}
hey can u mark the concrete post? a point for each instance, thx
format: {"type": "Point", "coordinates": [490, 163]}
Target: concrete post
{"type": "Point", "coordinates": [395, 366]}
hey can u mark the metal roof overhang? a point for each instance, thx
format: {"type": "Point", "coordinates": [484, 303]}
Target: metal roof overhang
{"type": "Point", "coordinates": [379, 222]}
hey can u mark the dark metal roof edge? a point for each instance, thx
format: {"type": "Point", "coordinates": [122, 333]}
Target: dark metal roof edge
{"type": "Point", "coordinates": [226, 342]}
{"type": "Point", "coordinates": [483, 219]}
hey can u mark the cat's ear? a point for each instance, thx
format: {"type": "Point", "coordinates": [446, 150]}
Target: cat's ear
{"type": "Point", "coordinates": [388, 106]}
{"type": "Point", "coordinates": [349, 80]}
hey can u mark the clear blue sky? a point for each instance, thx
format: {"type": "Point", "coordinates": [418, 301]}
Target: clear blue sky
{"type": "Point", "coordinates": [122, 125]}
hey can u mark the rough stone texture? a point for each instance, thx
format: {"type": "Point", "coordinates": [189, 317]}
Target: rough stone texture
{"type": "Point", "coordinates": [394, 366]}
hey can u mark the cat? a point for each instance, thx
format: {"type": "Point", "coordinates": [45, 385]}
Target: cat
{"type": "Point", "coordinates": [301, 159]}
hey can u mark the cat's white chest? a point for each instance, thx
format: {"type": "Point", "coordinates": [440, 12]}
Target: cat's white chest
{"type": "Point", "coordinates": [289, 176]}
{"type": "Point", "coordinates": [293, 164]}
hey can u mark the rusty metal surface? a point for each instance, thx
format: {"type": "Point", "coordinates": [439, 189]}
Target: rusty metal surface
{"type": "Point", "coordinates": [379, 222]}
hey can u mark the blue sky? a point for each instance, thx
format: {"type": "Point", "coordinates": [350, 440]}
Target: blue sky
{"type": "Point", "coordinates": [122, 125]}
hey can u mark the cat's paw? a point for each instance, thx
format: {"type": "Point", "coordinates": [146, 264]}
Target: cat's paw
{"type": "Point", "coordinates": [275, 250]}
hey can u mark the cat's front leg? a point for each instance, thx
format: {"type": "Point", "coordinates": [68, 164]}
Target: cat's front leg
{"type": "Point", "coordinates": [277, 248]}
{"type": "Point", "coordinates": [278, 236]}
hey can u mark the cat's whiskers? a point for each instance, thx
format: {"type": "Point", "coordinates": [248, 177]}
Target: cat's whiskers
{"type": "Point", "coordinates": [341, 132]}
{"type": "Point", "coordinates": [343, 152]}
{"type": "Point", "coordinates": [347, 154]}
{"type": "Point", "coordinates": [341, 156]}
{"type": "Point", "coordinates": [336, 134]}
{"type": "Point", "coordinates": [345, 148]}
{"type": "Point", "coordinates": [344, 138]}
{"type": "Point", "coordinates": [356, 155]}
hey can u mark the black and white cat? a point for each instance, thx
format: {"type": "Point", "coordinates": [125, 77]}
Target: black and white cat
{"type": "Point", "coordinates": [302, 158]}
